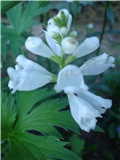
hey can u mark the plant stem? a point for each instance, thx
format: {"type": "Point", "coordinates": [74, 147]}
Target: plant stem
{"type": "Point", "coordinates": [103, 27]}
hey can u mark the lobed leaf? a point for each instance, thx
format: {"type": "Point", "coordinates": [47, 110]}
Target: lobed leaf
{"type": "Point", "coordinates": [25, 114]}
{"type": "Point", "coordinates": [44, 117]}
{"type": "Point", "coordinates": [38, 147]}
{"type": "Point", "coordinates": [22, 20]}
{"type": "Point", "coordinates": [26, 100]}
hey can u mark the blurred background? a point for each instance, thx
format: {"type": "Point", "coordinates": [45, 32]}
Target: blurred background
{"type": "Point", "coordinates": [90, 18]}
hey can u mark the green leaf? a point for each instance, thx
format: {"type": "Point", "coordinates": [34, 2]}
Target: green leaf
{"type": "Point", "coordinates": [8, 115]}
{"type": "Point", "coordinates": [11, 40]}
{"type": "Point", "coordinates": [23, 113]}
{"type": "Point", "coordinates": [22, 20]}
{"type": "Point", "coordinates": [26, 100]}
{"type": "Point", "coordinates": [44, 117]}
{"type": "Point", "coordinates": [98, 129]}
{"type": "Point", "coordinates": [14, 16]}
{"type": "Point", "coordinates": [27, 146]}
{"type": "Point", "coordinates": [6, 5]}
{"type": "Point", "coordinates": [77, 144]}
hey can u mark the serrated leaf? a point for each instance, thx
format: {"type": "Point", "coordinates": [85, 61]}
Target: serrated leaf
{"type": "Point", "coordinates": [46, 116]}
{"type": "Point", "coordinates": [22, 20]}
{"type": "Point", "coordinates": [35, 116]}
{"type": "Point", "coordinates": [26, 100]}
{"type": "Point", "coordinates": [8, 115]}
{"type": "Point", "coordinates": [27, 146]}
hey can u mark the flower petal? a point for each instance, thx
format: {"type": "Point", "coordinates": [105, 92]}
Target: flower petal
{"type": "Point", "coordinates": [89, 45]}
{"type": "Point", "coordinates": [27, 80]}
{"type": "Point", "coordinates": [69, 79]}
{"type": "Point", "coordinates": [99, 103]}
{"type": "Point", "coordinates": [28, 75]}
{"type": "Point", "coordinates": [37, 46]}
{"type": "Point", "coordinates": [52, 27]}
{"type": "Point", "coordinates": [53, 45]}
{"type": "Point", "coordinates": [82, 112]}
{"type": "Point", "coordinates": [97, 65]}
{"type": "Point", "coordinates": [24, 63]}
{"type": "Point", "coordinates": [69, 44]}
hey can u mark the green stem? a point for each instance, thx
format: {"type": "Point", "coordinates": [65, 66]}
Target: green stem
{"type": "Point", "coordinates": [103, 27]}
{"type": "Point", "coordinates": [62, 65]}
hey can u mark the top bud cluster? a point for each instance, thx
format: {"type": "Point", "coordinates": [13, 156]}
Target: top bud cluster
{"type": "Point", "coordinates": [61, 41]}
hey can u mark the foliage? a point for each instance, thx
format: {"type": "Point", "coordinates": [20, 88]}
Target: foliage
{"type": "Point", "coordinates": [5, 6]}
{"type": "Point", "coordinates": [22, 124]}
{"type": "Point", "coordinates": [21, 18]}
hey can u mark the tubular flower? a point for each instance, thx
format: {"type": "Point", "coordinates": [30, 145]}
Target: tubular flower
{"type": "Point", "coordinates": [88, 45]}
{"type": "Point", "coordinates": [97, 64]}
{"type": "Point", "coordinates": [57, 49]}
{"type": "Point", "coordinates": [27, 75]}
{"type": "Point", "coordinates": [85, 106]}
{"type": "Point", "coordinates": [38, 47]}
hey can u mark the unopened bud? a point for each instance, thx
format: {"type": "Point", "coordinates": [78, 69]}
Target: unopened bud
{"type": "Point", "coordinates": [73, 34]}
{"type": "Point", "coordinates": [63, 31]}
{"type": "Point", "coordinates": [69, 45]}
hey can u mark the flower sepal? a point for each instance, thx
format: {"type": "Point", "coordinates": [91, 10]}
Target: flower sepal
{"type": "Point", "coordinates": [69, 59]}
{"type": "Point", "coordinates": [54, 78]}
{"type": "Point", "coordinates": [56, 59]}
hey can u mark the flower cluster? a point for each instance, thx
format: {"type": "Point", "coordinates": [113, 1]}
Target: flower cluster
{"type": "Point", "coordinates": [63, 48]}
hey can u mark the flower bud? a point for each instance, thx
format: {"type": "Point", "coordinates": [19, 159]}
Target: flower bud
{"type": "Point", "coordinates": [38, 47]}
{"type": "Point", "coordinates": [63, 31]}
{"type": "Point", "coordinates": [73, 34]}
{"type": "Point", "coordinates": [69, 45]}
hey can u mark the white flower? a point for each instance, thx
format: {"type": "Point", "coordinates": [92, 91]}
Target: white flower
{"type": "Point", "coordinates": [69, 44]}
{"type": "Point", "coordinates": [57, 49]}
{"type": "Point", "coordinates": [83, 113]}
{"type": "Point", "coordinates": [97, 102]}
{"type": "Point", "coordinates": [62, 28]}
{"type": "Point", "coordinates": [97, 64]}
{"type": "Point", "coordinates": [28, 75]}
{"type": "Point", "coordinates": [67, 83]}
{"type": "Point", "coordinates": [89, 45]}
{"type": "Point", "coordinates": [38, 47]}
{"type": "Point", "coordinates": [85, 106]}
{"type": "Point", "coordinates": [52, 28]}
